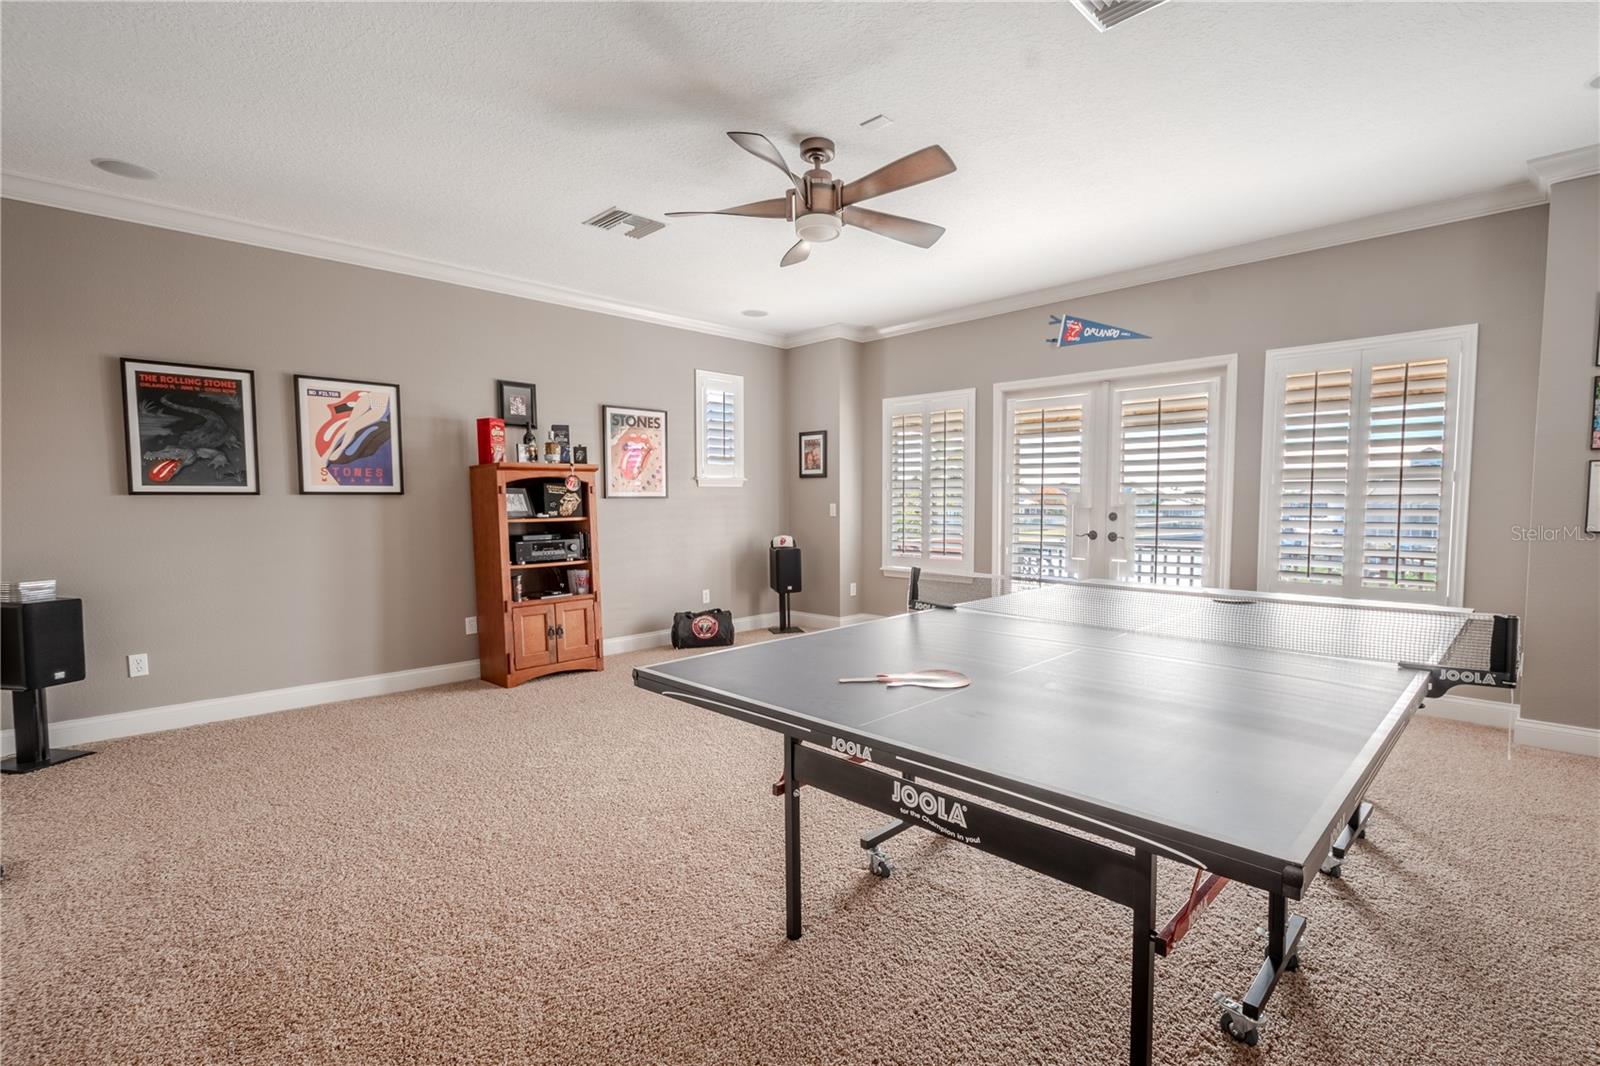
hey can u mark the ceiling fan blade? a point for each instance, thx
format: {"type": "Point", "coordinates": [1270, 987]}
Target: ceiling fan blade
{"type": "Point", "coordinates": [758, 146]}
{"type": "Point", "coordinates": [914, 169]}
{"type": "Point", "coordinates": [778, 208]}
{"type": "Point", "coordinates": [797, 254]}
{"type": "Point", "coordinates": [909, 230]}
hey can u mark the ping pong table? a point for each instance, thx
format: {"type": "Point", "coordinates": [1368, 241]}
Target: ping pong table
{"type": "Point", "coordinates": [1106, 725]}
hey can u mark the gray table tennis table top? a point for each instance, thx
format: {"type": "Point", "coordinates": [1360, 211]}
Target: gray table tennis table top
{"type": "Point", "coordinates": [1249, 752]}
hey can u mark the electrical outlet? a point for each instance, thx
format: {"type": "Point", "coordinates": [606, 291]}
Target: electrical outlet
{"type": "Point", "coordinates": [833, 510]}
{"type": "Point", "coordinates": [705, 596]}
{"type": "Point", "coordinates": [139, 664]}
{"type": "Point", "coordinates": [852, 588]}
{"type": "Point", "coordinates": [472, 624]}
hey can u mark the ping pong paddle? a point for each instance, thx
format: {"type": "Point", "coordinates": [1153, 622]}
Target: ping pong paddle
{"type": "Point", "coordinates": [921, 679]}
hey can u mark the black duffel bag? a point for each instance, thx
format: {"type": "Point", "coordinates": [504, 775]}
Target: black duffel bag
{"type": "Point", "coordinates": [702, 629]}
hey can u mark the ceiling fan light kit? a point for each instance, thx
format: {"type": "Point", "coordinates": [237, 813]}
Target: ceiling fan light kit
{"type": "Point", "coordinates": [820, 206]}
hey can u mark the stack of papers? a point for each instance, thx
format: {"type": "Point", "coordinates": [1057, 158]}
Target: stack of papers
{"type": "Point", "coordinates": [28, 591]}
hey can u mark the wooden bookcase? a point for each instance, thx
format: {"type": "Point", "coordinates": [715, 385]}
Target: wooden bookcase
{"type": "Point", "coordinates": [539, 634]}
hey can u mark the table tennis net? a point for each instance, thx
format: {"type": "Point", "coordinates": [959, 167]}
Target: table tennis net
{"type": "Point", "coordinates": [1395, 633]}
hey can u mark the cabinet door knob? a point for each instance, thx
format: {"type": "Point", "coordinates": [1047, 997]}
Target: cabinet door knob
{"type": "Point", "coordinates": [561, 631]}
{"type": "Point", "coordinates": [549, 631]}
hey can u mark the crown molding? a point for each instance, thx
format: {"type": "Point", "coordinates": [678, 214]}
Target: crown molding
{"type": "Point", "coordinates": [1548, 169]}
{"type": "Point", "coordinates": [88, 201]}
{"type": "Point", "coordinates": [1442, 212]}
{"type": "Point", "coordinates": [835, 332]}
{"type": "Point", "coordinates": [1564, 166]}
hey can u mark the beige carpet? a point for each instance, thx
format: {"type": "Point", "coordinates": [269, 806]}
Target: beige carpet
{"type": "Point", "coordinates": [579, 872]}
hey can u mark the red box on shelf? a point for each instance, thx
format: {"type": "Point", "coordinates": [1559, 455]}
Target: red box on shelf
{"type": "Point", "coordinates": [491, 440]}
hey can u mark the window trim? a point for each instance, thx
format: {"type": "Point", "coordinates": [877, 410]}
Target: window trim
{"type": "Point", "coordinates": [734, 383]}
{"type": "Point", "coordinates": [1169, 371]}
{"type": "Point", "coordinates": [1458, 420]}
{"type": "Point", "coordinates": [967, 400]}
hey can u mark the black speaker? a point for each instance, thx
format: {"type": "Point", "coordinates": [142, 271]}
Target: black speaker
{"type": "Point", "coordinates": [785, 569]}
{"type": "Point", "coordinates": [41, 644]}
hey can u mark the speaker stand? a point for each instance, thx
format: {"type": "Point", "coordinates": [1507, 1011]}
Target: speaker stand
{"type": "Point", "coordinates": [32, 724]}
{"type": "Point", "coordinates": [785, 624]}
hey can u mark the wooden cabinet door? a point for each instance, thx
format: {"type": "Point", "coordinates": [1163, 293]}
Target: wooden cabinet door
{"type": "Point", "coordinates": [533, 641]}
{"type": "Point", "coordinates": [575, 631]}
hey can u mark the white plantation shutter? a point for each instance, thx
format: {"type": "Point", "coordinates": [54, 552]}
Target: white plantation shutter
{"type": "Point", "coordinates": [1165, 450]}
{"type": "Point", "coordinates": [1046, 476]}
{"type": "Point", "coordinates": [1405, 475]}
{"type": "Point", "coordinates": [927, 493]}
{"type": "Point", "coordinates": [1365, 442]}
{"type": "Point", "coordinates": [906, 461]}
{"type": "Point", "coordinates": [719, 429]}
{"type": "Point", "coordinates": [1315, 461]}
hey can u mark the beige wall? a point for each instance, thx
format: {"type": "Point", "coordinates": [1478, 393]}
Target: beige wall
{"type": "Point", "coordinates": [242, 594]}
{"type": "Point", "coordinates": [813, 382]}
{"type": "Point", "coordinates": [1488, 270]}
{"type": "Point", "coordinates": [1562, 620]}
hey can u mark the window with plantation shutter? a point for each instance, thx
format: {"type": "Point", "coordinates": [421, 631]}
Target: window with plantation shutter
{"type": "Point", "coordinates": [1315, 479]}
{"type": "Point", "coordinates": [927, 492]}
{"type": "Point", "coordinates": [1046, 476]}
{"type": "Point", "coordinates": [1366, 449]}
{"type": "Point", "coordinates": [1165, 451]}
{"type": "Point", "coordinates": [1405, 474]}
{"type": "Point", "coordinates": [719, 429]}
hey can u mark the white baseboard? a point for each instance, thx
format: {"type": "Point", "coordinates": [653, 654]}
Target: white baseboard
{"type": "Point", "coordinates": [1471, 709]}
{"type": "Point", "coordinates": [1573, 739]}
{"type": "Point", "coordinates": [1552, 736]}
{"type": "Point", "coordinates": [73, 731]}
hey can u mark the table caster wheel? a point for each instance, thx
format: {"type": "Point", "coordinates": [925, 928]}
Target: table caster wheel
{"type": "Point", "coordinates": [1336, 870]}
{"type": "Point", "coordinates": [1293, 964]}
{"type": "Point", "coordinates": [878, 863]}
{"type": "Point", "coordinates": [1250, 1037]}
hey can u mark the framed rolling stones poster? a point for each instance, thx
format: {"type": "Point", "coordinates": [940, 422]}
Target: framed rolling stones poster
{"type": "Point", "coordinates": [636, 451]}
{"type": "Point", "coordinates": [348, 436]}
{"type": "Point", "coordinates": [189, 429]}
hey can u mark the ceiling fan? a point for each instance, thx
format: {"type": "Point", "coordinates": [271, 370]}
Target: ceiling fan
{"type": "Point", "coordinates": [820, 205]}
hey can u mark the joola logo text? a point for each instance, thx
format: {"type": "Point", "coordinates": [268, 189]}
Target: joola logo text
{"type": "Point", "coordinates": [852, 749]}
{"type": "Point", "coordinates": [1470, 677]}
{"type": "Point", "coordinates": [932, 805]}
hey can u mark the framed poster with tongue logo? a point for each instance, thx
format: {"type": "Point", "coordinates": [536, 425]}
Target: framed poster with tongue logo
{"type": "Point", "coordinates": [189, 429]}
{"type": "Point", "coordinates": [636, 451]}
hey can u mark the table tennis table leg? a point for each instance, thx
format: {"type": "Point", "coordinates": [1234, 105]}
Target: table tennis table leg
{"type": "Point", "coordinates": [1142, 1004]}
{"type": "Point", "coordinates": [791, 838]}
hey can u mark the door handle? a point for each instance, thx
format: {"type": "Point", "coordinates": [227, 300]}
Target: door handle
{"type": "Point", "coordinates": [1092, 535]}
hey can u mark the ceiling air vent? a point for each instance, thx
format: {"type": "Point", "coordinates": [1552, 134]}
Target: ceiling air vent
{"type": "Point", "coordinates": [1105, 14]}
{"type": "Point", "coordinates": [638, 225]}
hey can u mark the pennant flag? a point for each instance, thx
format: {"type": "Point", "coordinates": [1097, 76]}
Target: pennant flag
{"type": "Point", "coordinates": [1084, 331]}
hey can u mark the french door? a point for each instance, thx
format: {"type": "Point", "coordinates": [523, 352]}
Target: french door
{"type": "Point", "coordinates": [1115, 479]}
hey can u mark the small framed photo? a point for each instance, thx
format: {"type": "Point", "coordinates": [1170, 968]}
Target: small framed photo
{"type": "Point", "coordinates": [518, 403]}
{"type": "Point", "coordinates": [517, 503]}
{"type": "Point", "coordinates": [814, 453]}
{"type": "Point", "coordinates": [348, 436]}
{"type": "Point", "coordinates": [1594, 419]}
{"type": "Point", "coordinates": [189, 430]}
{"type": "Point", "coordinates": [580, 454]}
{"type": "Point", "coordinates": [1592, 521]}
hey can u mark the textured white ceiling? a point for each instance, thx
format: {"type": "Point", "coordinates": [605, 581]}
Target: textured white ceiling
{"type": "Point", "coordinates": [482, 135]}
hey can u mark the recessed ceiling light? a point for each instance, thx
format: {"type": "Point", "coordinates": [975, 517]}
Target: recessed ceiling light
{"type": "Point", "coordinates": [124, 170]}
{"type": "Point", "coordinates": [877, 122]}
{"type": "Point", "coordinates": [754, 313]}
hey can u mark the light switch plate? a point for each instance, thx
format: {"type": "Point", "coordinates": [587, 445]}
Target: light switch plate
{"type": "Point", "coordinates": [472, 624]}
{"type": "Point", "coordinates": [705, 596]}
{"type": "Point", "coordinates": [833, 510]}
